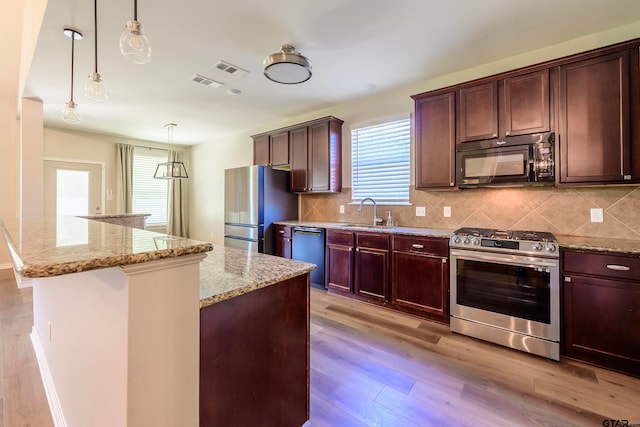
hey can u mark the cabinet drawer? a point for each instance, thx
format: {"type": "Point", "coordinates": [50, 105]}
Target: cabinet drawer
{"type": "Point", "coordinates": [421, 244]}
{"type": "Point", "coordinates": [602, 265]}
{"type": "Point", "coordinates": [283, 230]}
{"type": "Point", "coordinates": [339, 237]}
{"type": "Point", "coordinates": [372, 240]}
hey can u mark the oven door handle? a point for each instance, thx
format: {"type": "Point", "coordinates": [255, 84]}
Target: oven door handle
{"type": "Point", "coordinates": [497, 258]}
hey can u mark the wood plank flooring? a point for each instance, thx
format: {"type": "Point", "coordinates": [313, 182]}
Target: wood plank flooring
{"type": "Point", "coordinates": [374, 367]}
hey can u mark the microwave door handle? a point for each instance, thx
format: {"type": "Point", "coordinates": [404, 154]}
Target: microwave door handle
{"type": "Point", "coordinates": [502, 260]}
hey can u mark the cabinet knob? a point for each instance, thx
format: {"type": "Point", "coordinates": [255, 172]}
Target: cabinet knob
{"type": "Point", "coordinates": [281, 231]}
{"type": "Point", "coordinates": [567, 279]}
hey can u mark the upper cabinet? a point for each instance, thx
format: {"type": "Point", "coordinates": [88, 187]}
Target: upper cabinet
{"type": "Point", "coordinates": [271, 149]}
{"type": "Point", "coordinates": [435, 130]}
{"type": "Point", "coordinates": [515, 105]}
{"type": "Point", "coordinates": [595, 119]}
{"type": "Point", "coordinates": [311, 150]}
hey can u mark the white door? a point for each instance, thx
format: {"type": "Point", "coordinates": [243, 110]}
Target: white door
{"type": "Point", "coordinates": [72, 188]}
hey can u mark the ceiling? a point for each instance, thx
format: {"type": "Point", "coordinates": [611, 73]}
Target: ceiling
{"type": "Point", "coordinates": [357, 48]}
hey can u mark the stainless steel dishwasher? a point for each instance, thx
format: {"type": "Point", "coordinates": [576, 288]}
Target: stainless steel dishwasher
{"type": "Point", "coordinates": [307, 244]}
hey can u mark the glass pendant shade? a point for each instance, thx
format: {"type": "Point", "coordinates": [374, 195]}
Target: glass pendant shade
{"type": "Point", "coordinates": [134, 45]}
{"type": "Point", "coordinates": [95, 89]}
{"type": "Point", "coordinates": [71, 113]}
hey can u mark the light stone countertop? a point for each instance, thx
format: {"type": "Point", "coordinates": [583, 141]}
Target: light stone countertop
{"type": "Point", "coordinates": [599, 244]}
{"type": "Point", "coordinates": [417, 231]}
{"type": "Point", "coordinates": [229, 272]}
{"type": "Point", "coordinates": [105, 216]}
{"type": "Point", "coordinates": [43, 247]}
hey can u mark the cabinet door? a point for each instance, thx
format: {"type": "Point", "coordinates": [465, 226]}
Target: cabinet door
{"type": "Point", "coordinates": [261, 150]}
{"type": "Point", "coordinates": [526, 104]}
{"type": "Point", "coordinates": [340, 263]}
{"type": "Point", "coordinates": [600, 322]}
{"type": "Point", "coordinates": [478, 112]}
{"type": "Point", "coordinates": [319, 162]}
{"type": "Point", "coordinates": [371, 275]}
{"type": "Point", "coordinates": [435, 141]}
{"type": "Point", "coordinates": [594, 120]}
{"type": "Point", "coordinates": [299, 159]}
{"type": "Point", "coordinates": [421, 282]}
{"type": "Point", "coordinates": [280, 148]}
{"type": "Point", "coordinates": [283, 247]}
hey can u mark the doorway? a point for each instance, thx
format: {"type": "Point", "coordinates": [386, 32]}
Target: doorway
{"type": "Point", "coordinates": [72, 188]}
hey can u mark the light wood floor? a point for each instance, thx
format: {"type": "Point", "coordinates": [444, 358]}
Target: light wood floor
{"type": "Point", "coordinates": [373, 367]}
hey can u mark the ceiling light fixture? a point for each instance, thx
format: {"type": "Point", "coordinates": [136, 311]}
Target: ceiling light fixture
{"type": "Point", "coordinates": [287, 66]}
{"type": "Point", "coordinates": [71, 113]}
{"type": "Point", "coordinates": [170, 170]}
{"type": "Point", "coordinates": [134, 45]}
{"type": "Point", "coordinates": [94, 88]}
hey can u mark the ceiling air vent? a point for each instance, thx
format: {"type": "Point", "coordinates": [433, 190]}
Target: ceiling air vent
{"type": "Point", "coordinates": [231, 69]}
{"type": "Point", "coordinates": [205, 81]}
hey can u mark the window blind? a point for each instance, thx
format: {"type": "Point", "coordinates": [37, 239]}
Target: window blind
{"type": "Point", "coordinates": [381, 162]}
{"type": "Point", "coordinates": [149, 194]}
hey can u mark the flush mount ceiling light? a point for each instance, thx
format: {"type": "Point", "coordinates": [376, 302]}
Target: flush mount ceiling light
{"type": "Point", "coordinates": [94, 88]}
{"type": "Point", "coordinates": [170, 170]}
{"type": "Point", "coordinates": [287, 66]}
{"type": "Point", "coordinates": [134, 45]}
{"type": "Point", "coordinates": [71, 113]}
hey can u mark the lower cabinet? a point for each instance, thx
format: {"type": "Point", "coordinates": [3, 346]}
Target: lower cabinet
{"type": "Point", "coordinates": [372, 266]}
{"type": "Point", "coordinates": [602, 309]}
{"type": "Point", "coordinates": [420, 276]}
{"type": "Point", "coordinates": [283, 241]}
{"type": "Point", "coordinates": [339, 259]}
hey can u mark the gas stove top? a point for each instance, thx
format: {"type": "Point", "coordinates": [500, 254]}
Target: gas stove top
{"type": "Point", "coordinates": [513, 241]}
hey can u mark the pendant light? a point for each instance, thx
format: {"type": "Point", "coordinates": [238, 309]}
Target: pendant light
{"type": "Point", "coordinates": [71, 113]}
{"type": "Point", "coordinates": [287, 66]}
{"type": "Point", "coordinates": [133, 43]}
{"type": "Point", "coordinates": [170, 170]}
{"type": "Point", "coordinates": [94, 88]}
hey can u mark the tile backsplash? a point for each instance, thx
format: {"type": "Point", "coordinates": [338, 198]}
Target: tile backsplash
{"type": "Point", "coordinates": [557, 210]}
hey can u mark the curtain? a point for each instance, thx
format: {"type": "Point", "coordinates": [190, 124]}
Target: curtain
{"type": "Point", "coordinates": [178, 203]}
{"type": "Point", "coordinates": [124, 177]}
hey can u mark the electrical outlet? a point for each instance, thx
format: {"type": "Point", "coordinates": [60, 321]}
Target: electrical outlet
{"type": "Point", "coordinates": [447, 211]}
{"type": "Point", "coordinates": [341, 208]}
{"type": "Point", "coordinates": [110, 195]}
{"type": "Point", "coordinates": [421, 211]}
{"type": "Point", "coordinates": [597, 215]}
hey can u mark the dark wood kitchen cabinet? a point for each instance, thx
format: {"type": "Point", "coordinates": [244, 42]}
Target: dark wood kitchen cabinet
{"type": "Point", "coordinates": [420, 276]}
{"type": "Point", "coordinates": [371, 276]}
{"type": "Point", "coordinates": [316, 156]}
{"type": "Point", "coordinates": [283, 241]}
{"type": "Point", "coordinates": [602, 309]}
{"type": "Point", "coordinates": [339, 257]}
{"type": "Point", "coordinates": [514, 105]}
{"type": "Point", "coordinates": [271, 149]}
{"type": "Point", "coordinates": [435, 130]}
{"type": "Point", "coordinates": [597, 115]}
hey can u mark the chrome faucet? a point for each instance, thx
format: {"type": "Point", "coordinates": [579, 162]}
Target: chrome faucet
{"type": "Point", "coordinates": [376, 220]}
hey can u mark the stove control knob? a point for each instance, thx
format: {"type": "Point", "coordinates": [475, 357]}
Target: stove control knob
{"type": "Point", "coordinates": [456, 239]}
{"type": "Point", "coordinates": [537, 246]}
{"type": "Point", "coordinates": [551, 247]}
{"type": "Point", "coordinates": [466, 241]}
{"type": "Point", "coordinates": [475, 240]}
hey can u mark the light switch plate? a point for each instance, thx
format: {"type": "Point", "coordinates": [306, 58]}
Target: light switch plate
{"type": "Point", "coordinates": [597, 215]}
{"type": "Point", "coordinates": [447, 211]}
{"type": "Point", "coordinates": [421, 211]}
{"type": "Point", "coordinates": [341, 208]}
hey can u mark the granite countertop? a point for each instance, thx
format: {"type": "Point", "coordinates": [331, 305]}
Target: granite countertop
{"type": "Point", "coordinates": [567, 242]}
{"type": "Point", "coordinates": [105, 216]}
{"type": "Point", "coordinates": [229, 272]}
{"type": "Point", "coordinates": [43, 247]}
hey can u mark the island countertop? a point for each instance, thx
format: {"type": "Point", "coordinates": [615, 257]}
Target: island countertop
{"type": "Point", "coordinates": [229, 272]}
{"type": "Point", "coordinates": [44, 247]}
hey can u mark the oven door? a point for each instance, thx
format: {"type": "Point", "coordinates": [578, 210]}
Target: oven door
{"type": "Point", "coordinates": [494, 166]}
{"type": "Point", "coordinates": [513, 292]}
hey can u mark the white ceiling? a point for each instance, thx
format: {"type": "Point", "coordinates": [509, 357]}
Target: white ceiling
{"type": "Point", "coordinates": [357, 47]}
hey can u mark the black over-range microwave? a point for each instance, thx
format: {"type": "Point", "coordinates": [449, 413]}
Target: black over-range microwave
{"type": "Point", "coordinates": [512, 161]}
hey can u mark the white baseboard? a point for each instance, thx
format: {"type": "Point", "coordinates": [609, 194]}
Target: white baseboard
{"type": "Point", "coordinates": [47, 380]}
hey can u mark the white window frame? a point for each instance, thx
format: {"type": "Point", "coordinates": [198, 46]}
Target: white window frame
{"type": "Point", "coordinates": [145, 183]}
{"type": "Point", "coordinates": [367, 149]}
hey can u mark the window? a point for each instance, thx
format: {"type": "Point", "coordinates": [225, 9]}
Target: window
{"type": "Point", "coordinates": [381, 162]}
{"type": "Point", "coordinates": [149, 194]}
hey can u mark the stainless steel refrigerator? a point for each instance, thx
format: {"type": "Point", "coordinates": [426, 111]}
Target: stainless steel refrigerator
{"type": "Point", "coordinates": [255, 197]}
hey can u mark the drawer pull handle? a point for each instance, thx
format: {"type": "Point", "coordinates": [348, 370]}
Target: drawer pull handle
{"type": "Point", "coordinates": [417, 246]}
{"type": "Point", "coordinates": [281, 231]}
{"type": "Point", "coordinates": [618, 267]}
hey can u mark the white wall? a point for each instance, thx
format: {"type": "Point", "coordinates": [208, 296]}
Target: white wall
{"type": "Point", "coordinates": [210, 159]}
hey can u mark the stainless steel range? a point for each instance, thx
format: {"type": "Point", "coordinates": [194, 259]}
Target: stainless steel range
{"type": "Point", "coordinates": [505, 288]}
